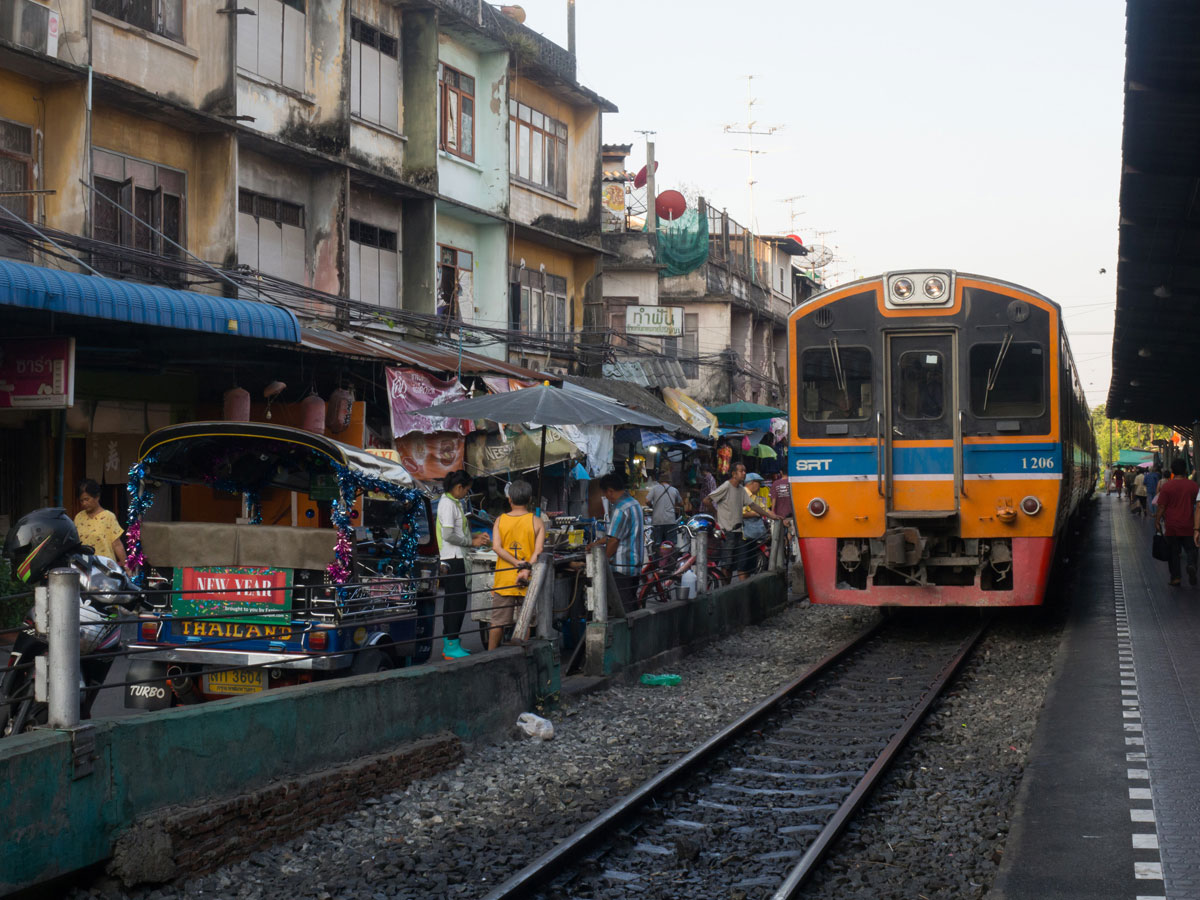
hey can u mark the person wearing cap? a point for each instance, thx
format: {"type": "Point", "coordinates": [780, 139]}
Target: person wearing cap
{"type": "Point", "coordinates": [754, 526]}
{"type": "Point", "coordinates": [729, 502]}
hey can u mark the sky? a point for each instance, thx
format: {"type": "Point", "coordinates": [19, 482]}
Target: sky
{"type": "Point", "coordinates": [956, 134]}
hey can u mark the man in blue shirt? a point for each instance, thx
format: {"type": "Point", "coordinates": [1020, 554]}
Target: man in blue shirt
{"type": "Point", "coordinates": [1153, 477]}
{"type": "Point", "coordinates": [625, 543]}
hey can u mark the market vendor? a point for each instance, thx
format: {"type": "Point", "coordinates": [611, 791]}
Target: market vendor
{"type": "Point", "coordinates": [625, 544]}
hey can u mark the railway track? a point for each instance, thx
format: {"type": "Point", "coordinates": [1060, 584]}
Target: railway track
{"type": "Point", "coordinates": [751, 812]}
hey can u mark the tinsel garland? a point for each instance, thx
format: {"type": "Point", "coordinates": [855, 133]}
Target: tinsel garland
{"type": "Point", "coordinates": [140, 500]}
{"type": "Point", "coordinates": [351, 483]}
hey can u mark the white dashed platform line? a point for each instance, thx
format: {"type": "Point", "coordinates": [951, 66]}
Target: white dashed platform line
{"type": "Point", "coordinates": [1141, 796]}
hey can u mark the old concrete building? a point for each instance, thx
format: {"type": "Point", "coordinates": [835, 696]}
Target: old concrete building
{"type": "Point", "coordinates": [337, 165]}
{"type": "Point", "coordinates": [733, 303]}
{"type": "Point", "coordinates": [554, 140]}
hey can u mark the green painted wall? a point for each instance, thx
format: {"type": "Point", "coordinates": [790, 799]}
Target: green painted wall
{"type": "Point", "coordinates": [53, 825]}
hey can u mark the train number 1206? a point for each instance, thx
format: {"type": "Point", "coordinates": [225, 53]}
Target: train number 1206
{"type": "Point", "coordinates": [1037, 462]}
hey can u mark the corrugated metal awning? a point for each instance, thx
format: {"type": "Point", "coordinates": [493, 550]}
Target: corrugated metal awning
{"type": "Point", "coordinates": [70, 293]}
{"type": "Point", "coordinates": [425, 356]}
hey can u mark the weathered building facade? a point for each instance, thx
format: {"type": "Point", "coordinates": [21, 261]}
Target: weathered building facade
{"type": "Point", "coordinates": [734, 303]}
{"type": "Point", "coordinates": [345, 163]}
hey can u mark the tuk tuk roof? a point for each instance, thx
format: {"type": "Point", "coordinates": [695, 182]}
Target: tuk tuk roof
{"type": "Point", "coordinates": [254, 455]}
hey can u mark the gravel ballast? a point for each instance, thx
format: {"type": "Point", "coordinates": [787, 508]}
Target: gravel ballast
{"type": "Point", "coordinates": [936, 827]}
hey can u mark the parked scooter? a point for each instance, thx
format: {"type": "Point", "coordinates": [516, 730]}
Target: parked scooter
{"type": "Point", "coordinates": [43, 540]}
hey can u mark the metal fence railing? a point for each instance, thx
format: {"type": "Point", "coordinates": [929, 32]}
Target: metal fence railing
{"type": "Point", "coordinates": [63, 654]}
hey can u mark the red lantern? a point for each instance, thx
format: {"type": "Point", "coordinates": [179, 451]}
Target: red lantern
{"type": "Point", "coordinates": [312, 414]}
{"type": "Point", "coordinates": [337, 417]}
{"type": "Point", "coordinates": [237, 405]}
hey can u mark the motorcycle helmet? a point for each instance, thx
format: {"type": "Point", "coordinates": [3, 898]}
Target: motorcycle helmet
{"type": "Point", "coordinates": [39, 541]}
{"type": "Point", "coordinates": [702, 522]}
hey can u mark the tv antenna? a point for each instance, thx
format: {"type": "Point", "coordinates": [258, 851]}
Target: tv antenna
{"type": "Point", "coordinates": [751, 133]}
{"type": "Point", "coordinates": [792, 214]}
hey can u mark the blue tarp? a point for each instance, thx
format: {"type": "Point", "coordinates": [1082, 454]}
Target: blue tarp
{"type": "Point", "coordinates": [53, 290]}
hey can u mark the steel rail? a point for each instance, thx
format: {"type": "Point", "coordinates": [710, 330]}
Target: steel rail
{"type": "Point", "coordinates": [808, 863]}
{"type": "Point", "coordinates": [546, 866]}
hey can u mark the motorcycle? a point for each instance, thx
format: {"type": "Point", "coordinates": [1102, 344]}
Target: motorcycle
{"type": "Point", "coordinates": [105, 592]}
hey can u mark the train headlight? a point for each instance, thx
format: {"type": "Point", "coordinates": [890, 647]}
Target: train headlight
{"type": "Point", "coordinates": [817, 507]}
{"type": "Point", "coordinates": [934, 287]}
{"type": "Point", "coordinates": [903, 288]}
{"type": "Point", "coordinates": [1031, 506]}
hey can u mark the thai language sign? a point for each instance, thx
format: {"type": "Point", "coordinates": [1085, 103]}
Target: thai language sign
{"type": "Point", "coordinates": [37, 373]}
{"type": "Point", "coordinates": [654, 321]}
{"type": "Point", "coordinates": [410, 389]}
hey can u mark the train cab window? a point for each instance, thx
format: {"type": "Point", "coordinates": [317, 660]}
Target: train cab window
{"type": "Point", "coordinates": [922, 385]}
{"type": "Point", "coordinates": [1008, 379]}
{"type": "Point", "coordinates": [835, 382]}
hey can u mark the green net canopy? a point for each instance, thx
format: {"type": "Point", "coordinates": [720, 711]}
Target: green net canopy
{"type": "Point", "coordinates": [682, 243]}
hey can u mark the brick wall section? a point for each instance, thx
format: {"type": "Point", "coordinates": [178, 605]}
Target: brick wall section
{"type": "Point", "coordinates": [182, 841]}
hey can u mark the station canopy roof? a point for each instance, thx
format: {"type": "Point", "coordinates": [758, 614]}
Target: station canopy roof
{"type": "Point", "coordinates": [1157, 331]}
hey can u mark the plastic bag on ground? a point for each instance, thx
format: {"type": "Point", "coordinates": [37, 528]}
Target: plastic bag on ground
{"type": "Point", "coordinates": [661, 679]}
{"type": "Point", "coordinates": [535, 727]}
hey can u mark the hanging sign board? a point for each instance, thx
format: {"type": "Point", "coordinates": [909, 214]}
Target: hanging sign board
{"type": "Point", "coordinates": [654, 321]}
{"type": "Point", "coordinates": [37, 373]}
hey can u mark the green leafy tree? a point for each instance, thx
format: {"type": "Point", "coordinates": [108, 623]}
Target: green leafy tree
{"type": "Point", "coordinates": [1115, 435]}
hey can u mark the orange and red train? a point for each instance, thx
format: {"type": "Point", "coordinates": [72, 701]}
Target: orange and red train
{"type": "Point", "coordinates": [940, 440]}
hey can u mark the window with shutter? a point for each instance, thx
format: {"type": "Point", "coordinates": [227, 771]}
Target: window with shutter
{"type": "Point", "coordinates": [271, 236]}
{"type": "Point", "coordinates": [140, 205]}
{"type": "Point", "coordinates": [374, 264]}
{"type": "Point", "coordinates": [272, 42]}
{"type": "Point", "coordinates": [16, 174]}
{"type": "Point", "coordinates": [163, 17]}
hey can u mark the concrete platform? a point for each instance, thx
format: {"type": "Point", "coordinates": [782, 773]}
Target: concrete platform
{"type": "Point", "coordinates": [1110, 804]}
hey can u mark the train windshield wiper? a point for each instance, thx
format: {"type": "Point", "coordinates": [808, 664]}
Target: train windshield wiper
{"type": "Point", "coordinates": [839, 374]}
{"type": "Point", "coordinates": [994, 371]}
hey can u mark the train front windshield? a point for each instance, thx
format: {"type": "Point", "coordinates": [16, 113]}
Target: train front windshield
{"type": "Point", "coordinates": [836, 382]}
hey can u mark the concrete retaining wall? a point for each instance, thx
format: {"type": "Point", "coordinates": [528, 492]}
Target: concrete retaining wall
{"type": "Point", "coordinates": [155, 787]}
{"type": "Point", "coordinates": [663, 631]}
{"type": "Point", "coordinates": [56, 823]}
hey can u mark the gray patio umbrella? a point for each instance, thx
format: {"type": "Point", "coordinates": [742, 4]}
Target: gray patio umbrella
{"type": "Point", "coordinates": [543, 405]}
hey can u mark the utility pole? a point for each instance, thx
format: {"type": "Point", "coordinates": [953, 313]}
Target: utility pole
{"type": "Point", "coordinates": [751, 132]}
{"type": "Point", "coordinates": [651, 212]}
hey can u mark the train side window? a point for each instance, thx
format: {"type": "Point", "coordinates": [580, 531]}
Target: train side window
{"type": "Point", "coordinates": [835, 383]}
{"type": "Point", "coordinates": [1008, 380]}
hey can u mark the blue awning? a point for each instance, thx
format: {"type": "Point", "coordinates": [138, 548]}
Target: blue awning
{"type": "Point", "coordinates": [35, 287]}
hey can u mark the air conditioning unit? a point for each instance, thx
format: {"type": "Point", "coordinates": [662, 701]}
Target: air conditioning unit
{"type": "Point", "coordinates": [30, 24]}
